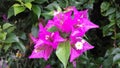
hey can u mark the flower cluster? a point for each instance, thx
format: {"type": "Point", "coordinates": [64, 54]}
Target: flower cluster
{"type": "Point", "coordinates": [72, 23]}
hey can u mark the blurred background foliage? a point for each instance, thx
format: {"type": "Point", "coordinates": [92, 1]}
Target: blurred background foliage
{"type": "Point", "coordinates": [19, 19]}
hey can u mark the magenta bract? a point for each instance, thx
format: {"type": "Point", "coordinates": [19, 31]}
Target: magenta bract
{"type": "Point", "coordinates": [78, 47]}
{"type": "Point", "coordinates": [71, 22]}
{"type": "Point", "coordinates": [45, 43]}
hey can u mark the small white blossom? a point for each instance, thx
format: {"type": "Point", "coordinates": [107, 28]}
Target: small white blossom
{"type": "Point", "coordinates": [79, 45]}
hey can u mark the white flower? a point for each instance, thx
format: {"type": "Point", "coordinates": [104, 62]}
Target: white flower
{"type": "Point", "coordinates": [79, 44]}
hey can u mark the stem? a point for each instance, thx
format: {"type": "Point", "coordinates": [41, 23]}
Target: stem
{"type": "Point", "coordinates": [114, 43]}
{"type": "Point", "coordinates": [66, 2]}
{"type": "Point", "coordinates": [64, 66]}
{"type": "Point", "coordinates": [17, 64]}
{"type": "Point", "coordinates": [115, 33]}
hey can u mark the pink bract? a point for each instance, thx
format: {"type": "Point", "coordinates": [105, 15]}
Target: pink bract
{"type": "Point", "coordinates": [73, 23]}
{"type": "Point", "coordinates": [45, 43]}
{"type": "Point", "coordinates": [62, 21]}
{"type": "Point", "coordinates": [75, 53]}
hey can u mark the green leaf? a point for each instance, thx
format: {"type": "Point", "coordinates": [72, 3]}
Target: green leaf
{"type": "Point", "coordinates": [62, 3]}
{"type": "Point", "coordinates": [48, 15]}
{"type": "Point", "coordinates": [7, 25]}
{"type": "Point", "coordinates": [40, 1]}
{"type": "Point", "coordinates": [11, 29]}
{"type": "Point", "coordinates": [63, 52]}
{"type": "Point", "coordinates": [116, 58]}
{"type": "Point", "coordinates": [54, 6]}
{"type": "Point", "coordinates": [11, 37]}
{"type": "Point", "coordinates": [115, 51]}
{"type": "Point", "coordinates": [112, 17]}
{"type": "Point", "coordinates": [23, 36]}
{"type": "Point", "coordinates": [52, 29]}
{"type": "Point", "coordinates": [20, 1]}
{"type": "Point", "coordinates": [16, 5]}
{"type": "Point", "coordinates": [28, 1]}
{"type": "Point", "coordinates": [34, 31]}
{"type": "Point", "coordinates": [7, 46]}
{"type": "Point", "coordinates": [106, 29]}
{"type": "Point", "coordinates": [21, 45]}
{"type": "Point", "coordinates": [18, 9]}
{"type": "Point", "coordinates": [36, 9]}
{"type": "Point", "coordinates": [0, 46]}
{"type": "Point", "coordinates": [110, 11]}
{"type": "Point", "coordinates": [118, 22]}
{"type": "Point", "coordinates": [104, 6]}
{"type": "Point", "coordinates": [108, 62]}
{"type": "Point", "coordinates": [10, 12]}
{"type": "Point", "coordinates": [28, 5]}
{"type": "Point", "coordinates": [2, 36]}
{"type": "Point", "coordinates": [89, 6]}
{"type": "Point", "coordinates": [0, 29]}
{"type": "Point", "coordinates": [118, 64]}
{"type": "Point", "coordinates": [117, 14]}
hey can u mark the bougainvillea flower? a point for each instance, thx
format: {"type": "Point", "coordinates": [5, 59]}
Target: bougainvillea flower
{"type": "Point", "coordinates": [77, 33]}
{"type": "Point", "coordinates": [80, 14]}
{"type": "Point", "coordinates": [50, 24]}
{"type": "Point", "coordinates": [80, 22]}
{"type": "Point", "coordinates": [78, 47]}
{"type": "Point", "coordinates": [62, 21]}
{"type": "Point", "coordinates": [42, 51]}
{"type": "Point", "coordinates": [51, 38]}
{"type": "Point", "coordinates": [45, 43]}
{"type": "Point", "coordinates": [77, 14]}
{"type": "Point", "coordinates": [71, 23]}
{"type": "Point", "coordinates": [81, 26]}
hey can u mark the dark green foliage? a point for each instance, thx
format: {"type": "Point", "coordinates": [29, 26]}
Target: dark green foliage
{"type": "Point", "coordinates": [21, 18]}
